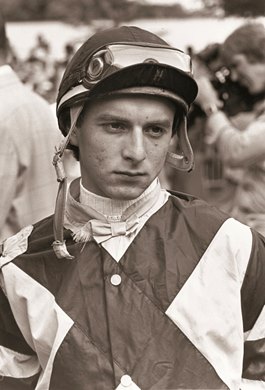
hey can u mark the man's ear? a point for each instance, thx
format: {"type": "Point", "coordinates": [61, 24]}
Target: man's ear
{"type": "Point", "coordinates": [74, 137]}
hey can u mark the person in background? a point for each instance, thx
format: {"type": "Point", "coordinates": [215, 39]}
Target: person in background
{"type": "Point", "coordinates": [128, 286]}
{"type": "Point", "coordinates": [244, 54]}
{"type": "Point", "coordinates": [28, 133]}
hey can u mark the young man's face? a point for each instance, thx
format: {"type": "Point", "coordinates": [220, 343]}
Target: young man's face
{"type": "Point", "coordinates": [123, 142]}
{"type": "Point", "coordinates": [250, 75]}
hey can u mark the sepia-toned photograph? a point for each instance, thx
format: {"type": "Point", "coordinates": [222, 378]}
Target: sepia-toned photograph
{"type": "Point", "coordinates": [132, 195]}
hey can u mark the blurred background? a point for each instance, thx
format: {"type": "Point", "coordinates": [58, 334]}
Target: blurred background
{"type": "Point", "coordinates": [44, 34]}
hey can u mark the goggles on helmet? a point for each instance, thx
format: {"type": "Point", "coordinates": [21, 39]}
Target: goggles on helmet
{"type": "Point", "coordinates": [114, 57]}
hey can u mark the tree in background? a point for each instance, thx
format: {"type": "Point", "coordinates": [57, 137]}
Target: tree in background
{"type": "Point", "coordinates": [24, 9]}
{"type": "Point", "coordinates": [243, 8]}
{"type": "Point", "coordinates": [68, 10]}
{"type": "Point", "coordinates": [117, 10]}
{"type": "Point", "coordinates": [83, 11]}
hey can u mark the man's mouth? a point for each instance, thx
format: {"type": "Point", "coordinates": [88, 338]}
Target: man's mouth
{"type": "Point", "coordinates": [130, 173]}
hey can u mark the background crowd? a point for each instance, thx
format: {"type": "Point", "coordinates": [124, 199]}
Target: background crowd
{"type": "Point", "coordinates": [214, 178]}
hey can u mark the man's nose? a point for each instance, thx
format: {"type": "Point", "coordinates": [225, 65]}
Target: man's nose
{"type": "Point", "coordinates": [134, 149]}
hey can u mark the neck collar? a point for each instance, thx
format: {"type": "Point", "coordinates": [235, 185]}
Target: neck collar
{"type": "Point", "coordinates": [85, 221]}
{"type": "Point", "coordinates": [111, 207]}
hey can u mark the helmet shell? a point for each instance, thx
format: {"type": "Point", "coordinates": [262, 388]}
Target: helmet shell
{"type": "Point", "coordinates": [147, 78]}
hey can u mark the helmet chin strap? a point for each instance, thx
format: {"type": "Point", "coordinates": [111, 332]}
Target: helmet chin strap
{"type": "Point", "coordinates": [184, 161]}
{"type": "Point", "coordinates": [58, 245]}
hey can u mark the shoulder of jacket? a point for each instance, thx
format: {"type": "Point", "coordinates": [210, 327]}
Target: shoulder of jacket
{"type": "Point", "coordinates": [196, 215]}
{"type": "Point", "coordinates": [189, 203]}
{"type": "Point", "coordinates": [15, 245]}
{"type": "Point", "coordinates": [31, 239]}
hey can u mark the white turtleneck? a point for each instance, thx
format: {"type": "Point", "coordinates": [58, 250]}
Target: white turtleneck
{"type": "Point", "coordinates": [107, 206]}
{"type": "Point", "coordinates": [113, 209]}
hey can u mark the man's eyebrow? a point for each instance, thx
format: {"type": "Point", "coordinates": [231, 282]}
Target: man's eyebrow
{"type": "Point", "coordinates": [110, 117]}
{"type": "Point", "coordinates": [118, 117]}
{"type": "Point", "coordinates": [160, 122]}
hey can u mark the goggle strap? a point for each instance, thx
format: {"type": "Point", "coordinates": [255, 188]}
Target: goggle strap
{"type": "Point", "coordinates": [184, 161]}
{"type": "Point", "coordinates": [74, 114]}
{"type": "Point", "coordinates": [57, 159]}
{"type": "Point", "coordinates": [59, 245]}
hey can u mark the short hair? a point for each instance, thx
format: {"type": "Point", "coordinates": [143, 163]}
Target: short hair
{"type": "Point", "coordinates": [248, 39]}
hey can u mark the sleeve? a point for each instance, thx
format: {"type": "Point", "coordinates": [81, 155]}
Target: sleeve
{"type": "Point", "coordinates": [8, 174]}
{"type": "Point", "coordinates": [19, 367]}
{"type": "Point", "coordinates": [253, 310]}
{"type": "Point", "coordinates": [239, 148]}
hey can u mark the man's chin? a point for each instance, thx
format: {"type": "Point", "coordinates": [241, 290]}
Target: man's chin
{"type": "Point", "coordinates": [128, 193]}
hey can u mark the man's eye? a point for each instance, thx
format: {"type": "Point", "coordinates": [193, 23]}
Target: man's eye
{"type": "Point", "coordinates": [155, 131]}
{"type": "Point", "coordinates": [115, 126]}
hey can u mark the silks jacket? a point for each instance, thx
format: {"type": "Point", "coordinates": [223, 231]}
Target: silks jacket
{"type": "Point", "coordinates": [182, 309]}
